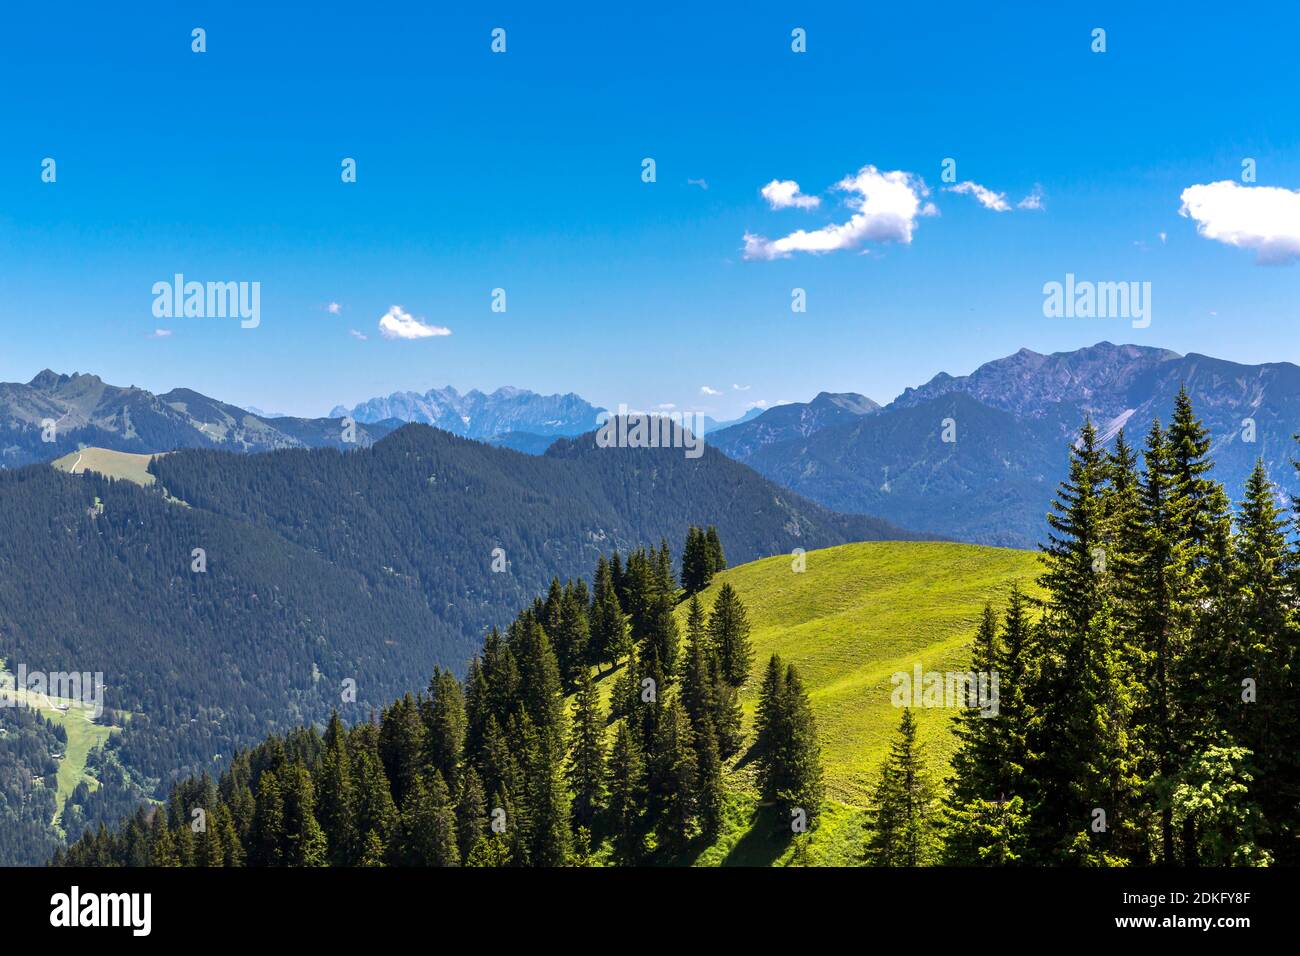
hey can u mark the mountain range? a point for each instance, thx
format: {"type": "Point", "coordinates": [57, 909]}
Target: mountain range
{"type": "Point", "coordinates": [1009, 423]}
{"type": "Point", "coordinates": [510, 417]}
{"type": "Point", "coordinates": [990, 482]}
{"type": "Point", "coordinates": [84, 410]}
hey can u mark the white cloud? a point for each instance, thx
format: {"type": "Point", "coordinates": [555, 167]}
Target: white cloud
{"type": "Point", "coordinates": [334, 308]}
{"type": "Point", "coordinates": [758, 404]}
{"type": "Point", "coordinates": [705, 390]}
{"type": "Point", "coordinates": [1034, 200]}
{"type": "Point", "coordinates": [1263, 218]}
{"type": "Point", "coordinates": [985, 196]}
{"type": "Point", "coordinates": [703, 184]}
{"type": "Point", "coordinates": [160, 333]}
{"type": "Point", "coordinates": [358, 335]}
{"type": "Point", "coordinates": [885, 208]}
{"type": "Point", "coordinates": [666, 405]}
{"type": "Point", "coordinates": [1164, 236]}
{"type": "Point", "coordinates": [396, 323]}
{"type": "Point", "coordinates": [784, 193]}
{"type": "Point", "coordinates": [741, 388]}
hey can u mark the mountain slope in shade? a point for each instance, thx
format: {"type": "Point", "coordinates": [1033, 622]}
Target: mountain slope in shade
{"type": "Point", "coordinates": [482, 415]}
{"type": "Point", "coordinates": [89, 412]}
{"type": "Point", "coordinates": [1015, 418]}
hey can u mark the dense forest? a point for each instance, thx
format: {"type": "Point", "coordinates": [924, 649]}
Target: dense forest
{"type": "Point", "coordinates": [29, 745]}
{"type": "Point", "coordinates": [521, 764]}
{"type": "Point", "coordinates": [1146, 715]}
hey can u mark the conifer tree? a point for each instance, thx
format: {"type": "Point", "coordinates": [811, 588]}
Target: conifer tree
{"type": "Point", "coordinates": [902, 815]}
{"type": "Point", "coordinates": [671, 777]}
{"type": "Point", "coordinates": [798, 771]}
{"type": "Point", "coordinates": [268, 822]}
{"type": "Point", "coordinates": [729, 632]}
{"type": "Point", "coordinates": [586, 769]}
{"type": "Point", "coordinates": [445, 721]}
{"type": "Point", "coordinates": [471, 813]}
{"type": "Point", "coordinates": [625, 783]}
{"type": "Point", "coordinates": [713, 545]}
{"type": "Point", "coordinates": [337, 795]}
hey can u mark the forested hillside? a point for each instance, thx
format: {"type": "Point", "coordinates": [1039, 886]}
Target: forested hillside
{"type": "Point", "coordinates": [321, 567]}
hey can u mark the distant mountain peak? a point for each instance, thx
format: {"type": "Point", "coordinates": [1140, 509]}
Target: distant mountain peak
{"type": "Point", "coordinates": [507, 410]}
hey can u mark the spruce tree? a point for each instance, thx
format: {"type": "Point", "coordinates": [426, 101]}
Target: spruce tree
{"type": "Point", "coordinates": [902, 815]}
{"type": "Point", "coordinates": [585, 773]}
{"type": "Point", "coordinates": [625, 782]}
{"type": "Point", "coordinates": [729, 632]}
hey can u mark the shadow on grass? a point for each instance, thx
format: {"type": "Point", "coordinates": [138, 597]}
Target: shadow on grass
{"type": "Point", "coordinates": [767, 838]}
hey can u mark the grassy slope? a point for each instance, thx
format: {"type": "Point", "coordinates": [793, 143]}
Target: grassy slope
{"type": "Point", "coordinates": [855, 616]}
{"type": "Point", "coordinates": [113, 464]}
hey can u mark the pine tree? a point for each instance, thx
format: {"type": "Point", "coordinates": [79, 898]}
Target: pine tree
{"type": "Point", "coordinates": [1082, 696]}
{"type": "Point", "coordinates": [697, 562]}
{"type": "Point", "coordinates": [471, 813]}
{"type": "Point", "coordinates": [337, 795]}
{"type": "Point", "coordinates": [609, 640]}
{"type": "Point", "coordinates": [663, 636]}
{"type": "Point", "coordinates": [304, 842]}
{"type": "Point", "coordinates": [429, 824]}
{"type": "Point", "coordinates": [798, 774]}
{"type": "Point", "coordinates": [402, 745]}
{"type": "Point", "coordinates": [1264, 649]}
{"type": "Point", "coordinates": [671, 777]}
{"type": "Point", "coordinates": [767, 721]}
{"type": "Point", "coordinates": [372, 850]}
{"type": "Point", "coordinates": [268, 822]}
{"type": "Point", "coordinates": [729, 632]}
{"type": "Point", "coordinates": [445, 722]}
{"type": "Point", "coordinates": [625, 782]}
{"type": "Point", "coordinates": [586, 769]}
{"type": "Point", "coordinates": [902, 815]}
{"type": "Point", "coordinates": [713, 545]}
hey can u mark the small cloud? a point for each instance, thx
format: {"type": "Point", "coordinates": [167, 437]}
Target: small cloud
{"type": "Point", "coordinates": [758, 404]}
{"type": "Point", "coordinates": [666, 406]}
{"type": "Point", "coordinates": [705, 390]}
{"type": "Point", "coordinates": [983, 195]}
{"type": "Point", "coordinates": [784, 193]}
{"type": "Point", "coordinates": [741, 388]}
{"type": "Point", "coordinates": [703, 184]}
{"type": "Point", "coordinates": [1265, 219]}
{"type": "Point", "coordinates": [1034, 200]}
{"type": "Point", "coordinates": [1163, 236]}
{"type": "Point", "coordinates": [358, 335]}
{"type": "Point", "coordinates": [396, 323]}
{"type": "Point", "coordinates": [885, 209]}
{"type": "Point", "coordinates": [160, 333]}
{"type": "Point", "coordinates": [334, 308]}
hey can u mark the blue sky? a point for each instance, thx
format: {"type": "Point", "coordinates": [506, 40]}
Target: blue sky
{"type": "Point", "coordinates": [522, 171]}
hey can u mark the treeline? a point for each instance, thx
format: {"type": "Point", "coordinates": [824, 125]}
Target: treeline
{"type": "Point", "coordinates": [1148, 711]}
{"type": "Point", "coordinates": [520, 764]}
